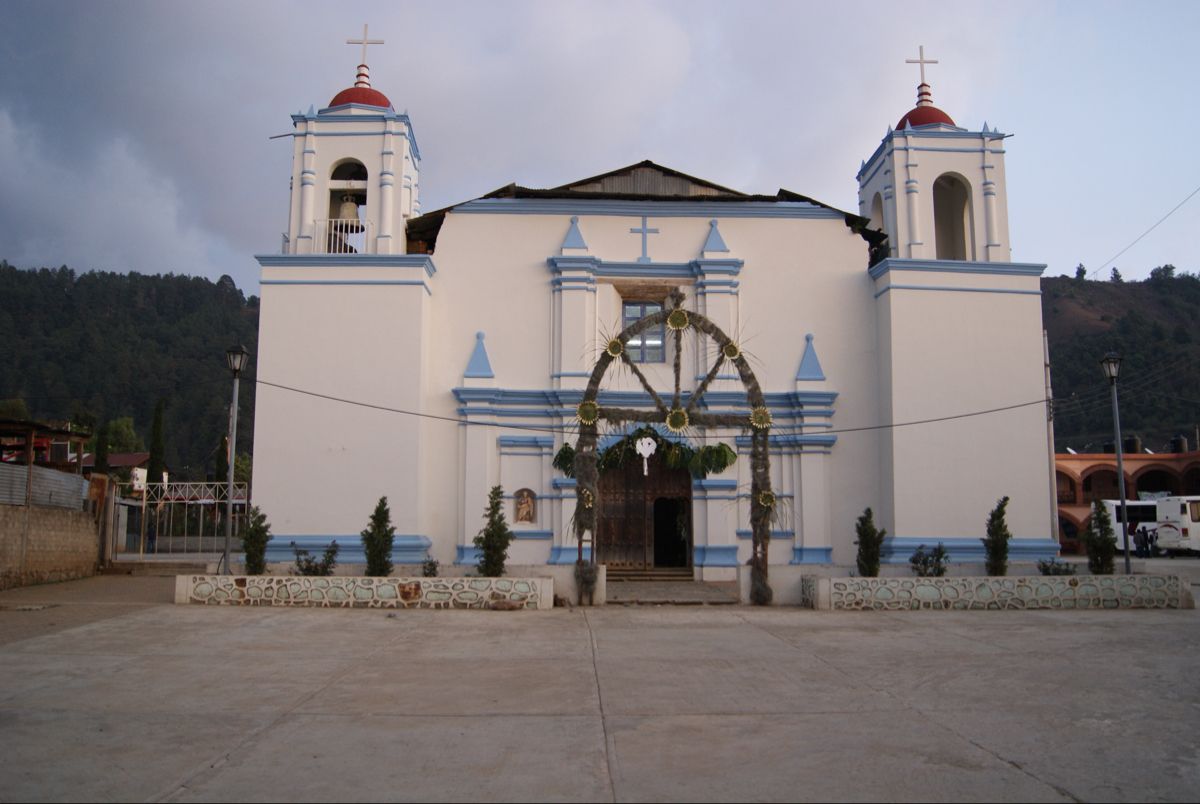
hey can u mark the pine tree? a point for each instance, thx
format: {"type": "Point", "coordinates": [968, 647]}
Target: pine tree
{"type": "Point", "coordinates": [377, 541]}
{"type": "Point", "coordinates": [254, 542]}
{"type": "Point", "coordinates": [996, 543]}
{"type": "Point", "coordinates": [869, 541]}
{"type": "Point", "coordinates": [154, 472]}
{"type": "Point", "coordinates": [1115, 276]}
{"type": "Point", "coordinates": [493, 540]}
{"type": "Point", "coordinates": [1100, 541]}
{"type": "Point", "coordinates": [100, 465]}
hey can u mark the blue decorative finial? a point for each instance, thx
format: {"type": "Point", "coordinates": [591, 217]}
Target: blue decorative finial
{"type": "Point", "coordinates": [714, 241]}
{"type": "Point", "coordinates": [479, 367]}
{"type": "Point", "coordinates": [810, 366]}
{"type": "Point", "coordinates": [574, 238]}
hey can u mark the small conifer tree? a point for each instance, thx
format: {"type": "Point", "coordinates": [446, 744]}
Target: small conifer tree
{"type": "Point", "coordinates": [1100, 541]}
{"type": "Point", "coordinates": [996, 542]}
{"type": "Point", "coordinates": [493, 540]}
{"type": "Point", "coordinates": [377, 540]}
{"type": "Point", "coordinates": [100, 464]}
{"type": "Point", "coordinates": [869, 541]}
{"type": "Point", "coordinates": [254, 542]}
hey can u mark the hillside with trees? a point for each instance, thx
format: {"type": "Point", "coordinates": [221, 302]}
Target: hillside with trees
{"type": "Point", "coordinates": [101, 346]}
{"type": "Point", "coordinates": [106, 347]}
{"type": "Point", "coordinates": [1155, 326]}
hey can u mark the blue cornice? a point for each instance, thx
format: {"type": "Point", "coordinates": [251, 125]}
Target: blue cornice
{"type": "Point", "coordinates": [334, 114]}
{"type": "Point", "coordinates": [348, 261]}
{"type": "Point", "coordinates": [919, 131]}
{"type": "Point", "coordinates": [658, 209]}
{"type": "Point", "coordinates": [799, 401]}
{"type": "Point", "coordinates": [672, 270]}
{"type": "Point", "coordinates": [526, 441]}
{"type": "Point", "coordinates": [956, 267]}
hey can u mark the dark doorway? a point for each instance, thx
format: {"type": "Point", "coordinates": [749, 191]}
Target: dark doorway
{"type": "Point", "coordinates": [641, 516]}
{"type": "Point", "coordinates": [672, 529]}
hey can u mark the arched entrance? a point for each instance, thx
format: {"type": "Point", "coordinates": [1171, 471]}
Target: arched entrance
{"type": "Point", "coordinates": [644, 520]}
{"type": "Point", "coordinates": [678, 417]}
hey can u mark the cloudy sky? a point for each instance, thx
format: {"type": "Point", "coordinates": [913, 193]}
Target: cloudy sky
{"type": "Point", "coordinates": [135, 136]}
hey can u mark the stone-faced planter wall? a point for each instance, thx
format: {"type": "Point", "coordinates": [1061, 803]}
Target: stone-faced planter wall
{"type": "Point", "coordinates": [1019, 592]}
{"type": "Point", "coordinates": [349, 591]}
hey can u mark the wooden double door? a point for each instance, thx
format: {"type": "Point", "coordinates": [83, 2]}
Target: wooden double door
{"type": "Point", "coordinates": [645, 520]}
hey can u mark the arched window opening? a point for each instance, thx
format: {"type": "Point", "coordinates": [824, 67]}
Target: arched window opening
{"type": "Point", "coordinates": [1066, 488]}
{"type": "Point", "coordinates": [952, 227]}
{"type": "Point", "coordinates": [1159, 480]}
{"type": "Point", "coordinates": [345, 230]}
{"type": "Point", "coordinates": [877, 221]}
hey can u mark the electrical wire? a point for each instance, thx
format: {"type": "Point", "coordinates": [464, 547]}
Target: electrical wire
{"type": "Point", "coordinates": [1148, 231]}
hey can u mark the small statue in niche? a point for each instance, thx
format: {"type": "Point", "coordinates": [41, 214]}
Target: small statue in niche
{"type": "Point", "coordinates": [526, 505]}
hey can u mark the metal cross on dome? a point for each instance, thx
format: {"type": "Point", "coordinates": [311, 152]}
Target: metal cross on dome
{"type": "Point", "coordinates": [921, 60]}
{"type": "Point", "coordinates": [364, 42]}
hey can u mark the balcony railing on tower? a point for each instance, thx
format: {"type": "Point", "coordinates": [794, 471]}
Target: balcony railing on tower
{"type": "Point", "coordinates": [341, 236]}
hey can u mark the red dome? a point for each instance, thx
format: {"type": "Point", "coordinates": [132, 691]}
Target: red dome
{"type": "Point", "coordinates": [364, 95]}
{"type": "Point", "coordinates": [924, 116]}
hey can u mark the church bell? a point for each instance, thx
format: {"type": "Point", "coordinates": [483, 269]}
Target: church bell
{"type": "Point", "coordinates": [348, 214]}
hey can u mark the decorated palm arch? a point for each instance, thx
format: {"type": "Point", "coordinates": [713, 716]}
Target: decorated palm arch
{"type": "Point", "coordinates": [677, 417]}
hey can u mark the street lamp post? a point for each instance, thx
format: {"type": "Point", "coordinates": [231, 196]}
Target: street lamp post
{"type": "Point", "coordinates": [236, 358]}
{"type": "Point", "coordinates": [1112, 369]}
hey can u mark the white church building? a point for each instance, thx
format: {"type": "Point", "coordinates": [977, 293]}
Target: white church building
{"type": "Point", "coordinates": [428, 357]}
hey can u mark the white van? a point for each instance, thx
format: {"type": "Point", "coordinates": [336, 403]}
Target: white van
{"type": "Point", "coordinates": [1179, 523]}
{"type": "Point", "coordinates": [1141, 513]}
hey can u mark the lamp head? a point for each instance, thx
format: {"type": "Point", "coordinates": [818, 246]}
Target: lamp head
{"type": "Point", "coordinates": [1112, 366]}
{"type": "Point", "coordinates": [236, 357]}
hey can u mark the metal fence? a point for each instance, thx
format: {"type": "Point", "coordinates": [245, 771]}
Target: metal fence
{"type": "Point", "coordinates": [174, 518]}
{"type": "Point", "coordinates": [50, 487]}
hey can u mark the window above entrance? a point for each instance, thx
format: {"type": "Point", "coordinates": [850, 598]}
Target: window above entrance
{"type": "Point", "coordinates": [647, 347]}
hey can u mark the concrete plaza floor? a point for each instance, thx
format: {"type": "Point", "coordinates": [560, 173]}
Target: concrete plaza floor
{"type": "Point", "coordinates": [112, 693]}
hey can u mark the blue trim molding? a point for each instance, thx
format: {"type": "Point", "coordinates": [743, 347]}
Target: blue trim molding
{"type": "Point", "coordinates": [708, 555]}
{"type": "Point", "coordinates": [956, 267]}
{"type": "Point", "coordinates": [533, 534]}
{"type": "Point", "coordinates": [947, 288]}
{"type": "Point", "coordinates": [568, 554]}
{"type": "Point", "coordinates": [407, 548]}
{"type": "Point", "coordinates": [775, 534]}
{"type": "Point", "coordinates": [898, 549]}
{"type": "Point", "coordinates": [657, 209]}
{"type": "Point", "coordinates": [812, 555]}
{"type": "Point", "coordinates": [467, 555]}
{"type": "Point", "coordinates": [423, 261]}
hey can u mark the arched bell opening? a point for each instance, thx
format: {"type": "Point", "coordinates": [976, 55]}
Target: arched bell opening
{"type": "Point", "coordinates": [952, 219]}
{"type": "Point", "coordinates": [345, 227]}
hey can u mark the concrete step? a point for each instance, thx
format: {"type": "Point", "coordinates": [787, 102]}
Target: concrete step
{"type": "Point", "coordinates": [142, 568]}
{"type": "Point", "coordinates": [671, 593]}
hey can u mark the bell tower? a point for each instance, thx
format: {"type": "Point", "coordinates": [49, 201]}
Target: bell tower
{"type": "Point", "coordinates": [936, 189]}
{"type": "Point", "coordinates": [343, 314]}
{"type": "Point", "coordinates": [959, 330]}
{"type": "Point", "coordinates": [356, 164]}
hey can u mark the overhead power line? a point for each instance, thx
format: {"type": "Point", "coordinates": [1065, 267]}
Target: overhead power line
{"type": "Point", "coordinates": [1148, 231]}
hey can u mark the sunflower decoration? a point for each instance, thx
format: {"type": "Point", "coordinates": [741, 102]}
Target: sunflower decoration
{"type": "Point", "coordinates": [678, 320]}
{"type": "Point", "coordinates": [731, 351]}
{"type": "Point", "coordinates": [614, 348]}
{"type": "Point", "coordinates": [766, 499]}
{"type": "Point", "coordinates": [588, 499]}
{"type": "Point", "coordinates": [588, 412]}
{"type": "Point", "coordinates": [677, 420]}
{"type": "Point", "coordinates": [760, 418]}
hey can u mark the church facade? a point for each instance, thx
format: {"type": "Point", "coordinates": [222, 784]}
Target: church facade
{"type": "Point", "coordinates": [429, 357]}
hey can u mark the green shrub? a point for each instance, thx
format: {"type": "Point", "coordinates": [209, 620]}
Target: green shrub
{"type": "Point", "coordinates": [307, 565]}
{"type": "Point", "coordinates": [869, 541]}
{"type": "Point", "coordinates": [254, 542]}
{"type": "Point", "coordinates": [429, 568]}
{"type": "Point", "coordinates": [996, 542]}
{"type": "Point", "coordinates": [931, 564]}
{"type": "Point", "coordinates": [1055, 567]}
{"type": "Point", "coordinates": [377, 541]}
{"type": "Point", "coordinates": [1100, 542]}
{"type": "Point", "coordinates": [495, 537]}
